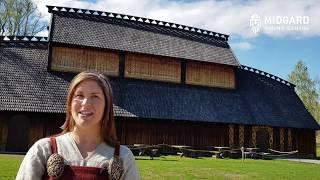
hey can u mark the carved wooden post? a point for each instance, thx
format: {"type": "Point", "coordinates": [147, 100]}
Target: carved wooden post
{"type": "Point", "coordinates": [241, 135]}
{"type": "Point", "coordinates": [254, 136]}
{"type": "Point", "coordinates": [289, 140]}
{"type": "Point", "coordinates": [281, 139]}
{"type": "Point", "coordinates": [231, 135]}
{"type": "Point", "coordinates": [270, 131]}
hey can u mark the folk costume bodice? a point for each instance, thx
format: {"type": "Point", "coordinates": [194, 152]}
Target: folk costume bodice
{"type": "Point", "coordinates": [56, 169]}
{"type": "Point", "coordinates": [34, 164]}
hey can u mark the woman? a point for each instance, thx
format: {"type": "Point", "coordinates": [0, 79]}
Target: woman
{"type": "Point", "coordinates": [87, 148]}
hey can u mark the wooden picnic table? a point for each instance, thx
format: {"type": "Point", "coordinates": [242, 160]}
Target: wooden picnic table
{"type": "Point", "coordinates": [220, 148]}
{"type": "Point", "coordinates": [180, 146]}
{"type": "Point", "coordinates": [144, 149]}
{"type": "Point", "coordinates": [139, 145]}
{"type": "Point", "coordinates": [252, 152]}
{"type": "Point", "coordinates": [251, 149]}
{"type": "Point", "coordinates": [221, 151]}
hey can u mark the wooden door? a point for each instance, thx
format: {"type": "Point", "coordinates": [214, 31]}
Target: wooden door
{"type": "Point", "coordinates": [263, 140]}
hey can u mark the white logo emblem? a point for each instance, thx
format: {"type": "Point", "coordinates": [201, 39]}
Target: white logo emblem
{"type": "Point", "coordinates": [255, 23]}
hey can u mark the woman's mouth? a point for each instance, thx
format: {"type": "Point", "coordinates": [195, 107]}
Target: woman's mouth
{"type": "Point", "coordinates": [85, 113]}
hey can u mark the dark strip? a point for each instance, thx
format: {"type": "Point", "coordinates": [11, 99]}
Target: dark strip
{"type": "Point", "coordinates": [183, 71]}
{"type": "Point", "coordinates": [121, 64]}
{"type": "Point", "coordinates": [117, 149]}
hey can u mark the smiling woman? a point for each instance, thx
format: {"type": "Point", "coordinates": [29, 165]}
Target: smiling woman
{"type": "Point", "coordinates": [88, 104]}
{"type": "Point", "coordinates": [87, 148]}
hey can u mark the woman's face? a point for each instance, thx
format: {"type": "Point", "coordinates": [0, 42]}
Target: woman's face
{"type": "Point", "coordinates": [88, 104]}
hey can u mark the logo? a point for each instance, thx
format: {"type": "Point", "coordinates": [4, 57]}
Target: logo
{"type": "Point", "coordinates": [279, 23]}
{"type": "Point", "coordinates": [255, 23]}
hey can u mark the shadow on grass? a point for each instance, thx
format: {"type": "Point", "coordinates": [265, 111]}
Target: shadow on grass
{"type": "Point", "coordinates": [162, 158]}
{"type": "Point", "coordinates": [154, 159]}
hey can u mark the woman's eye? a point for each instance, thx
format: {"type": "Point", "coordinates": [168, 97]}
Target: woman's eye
{"type": "Point", "coordinates": [78, 96]}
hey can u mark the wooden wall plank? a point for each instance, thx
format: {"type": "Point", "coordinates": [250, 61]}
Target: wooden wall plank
{"type": "Point", "coordinates": [196, 134]}
{"type": "Point", "coordinates": [3, 134]}
{"type": "Point", "coordinates": [68, 59]}
{"type": "Point", "coordinates": [36, 131]}
{"type": "Point", "coordinates": [305, 141]}
{"type": "Point", "coordinates": [199, 135]}
{"type": "Point", "coordinates": [152, 68]}
{"type": "Point", "coordinates": [208, 74]}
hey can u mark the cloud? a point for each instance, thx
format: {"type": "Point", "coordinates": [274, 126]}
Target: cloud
{"type": "Point", "coordinates": [228, 17]}
{"type": "Point", "coordinates": [43, 33]}
{"type": "Point", "coordinates": [66, 3]}
{"type": "Point", "coordinates": [241, 45]}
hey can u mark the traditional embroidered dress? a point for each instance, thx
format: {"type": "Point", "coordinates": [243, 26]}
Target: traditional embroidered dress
{"type": "Point", "coordinates": [97, 163]}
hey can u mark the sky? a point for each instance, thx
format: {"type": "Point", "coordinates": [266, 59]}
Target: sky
{"type": "Point", "coordinates": [269, 35]}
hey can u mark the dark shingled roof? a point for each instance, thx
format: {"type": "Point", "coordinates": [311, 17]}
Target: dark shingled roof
{"type": "Point", "coordinates": [258, 100]}
{"type": "Point", "coordinates": [134, 36]}
{"type": "Point", "coordinates": [26, 85]}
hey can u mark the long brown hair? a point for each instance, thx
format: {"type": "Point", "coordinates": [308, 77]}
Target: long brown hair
{"type": "Point", "coordinates": [108, 129]}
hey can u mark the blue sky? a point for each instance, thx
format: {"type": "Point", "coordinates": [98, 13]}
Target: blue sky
{"type": "Point", "coordinates": [271, 50]}
{"type": "Point", "coordinates": [279, 55]}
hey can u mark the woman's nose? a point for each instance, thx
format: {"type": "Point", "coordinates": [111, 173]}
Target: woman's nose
{"type": "Point", "coordinates": [85, 101]}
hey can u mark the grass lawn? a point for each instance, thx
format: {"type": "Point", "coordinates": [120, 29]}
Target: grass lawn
{"type": "Point", "coordinates": [174, 167]}
{"type": "Point", "coordinates": [9, 165]}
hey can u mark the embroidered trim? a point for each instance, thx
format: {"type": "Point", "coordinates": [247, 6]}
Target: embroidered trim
{"type": "Point", "coordinates": [55, 166]}
{"type": "Point", "coordinates": [116, 168]}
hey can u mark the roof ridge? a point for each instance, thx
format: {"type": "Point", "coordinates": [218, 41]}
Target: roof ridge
{"type": "Point", "coordinates": [175, 26]}
{"type": "Point", "coordinates": [265, 74]}
{"type": "Point", "coordinates": [23, 39]}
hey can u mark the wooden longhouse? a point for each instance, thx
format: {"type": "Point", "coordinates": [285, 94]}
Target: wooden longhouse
{"type": "Point", "coordinates": [172, 84]}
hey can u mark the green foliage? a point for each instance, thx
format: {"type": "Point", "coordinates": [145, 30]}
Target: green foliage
{"type": "Point", "coordinates": [19, 17]}
{"type": "Point", "coordinates": [306, 89]}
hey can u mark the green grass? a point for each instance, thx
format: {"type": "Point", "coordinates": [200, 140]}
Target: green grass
{"type": "Point", "coordinates": [174, 167]}
{"type": "Point", "coordinates": [9, 165]}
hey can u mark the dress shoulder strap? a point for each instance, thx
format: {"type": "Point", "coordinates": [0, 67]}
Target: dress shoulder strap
{"type": "Point", "coordinates": [116, 166]}
{"type": "Point", "coordinates": [53, 144]}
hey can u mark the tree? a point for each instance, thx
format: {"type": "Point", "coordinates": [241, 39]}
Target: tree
{"type": "Point", "coordinates": [306, 89]}
{"type": "Point", "coordinates": [19, 18]}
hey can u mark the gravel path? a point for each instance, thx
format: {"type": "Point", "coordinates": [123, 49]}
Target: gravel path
{"type": "Point", "coordinates": [313, 161]}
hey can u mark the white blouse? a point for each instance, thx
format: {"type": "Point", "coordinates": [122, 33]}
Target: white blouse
{"type": "Point", "coordinates": [34, 163]}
